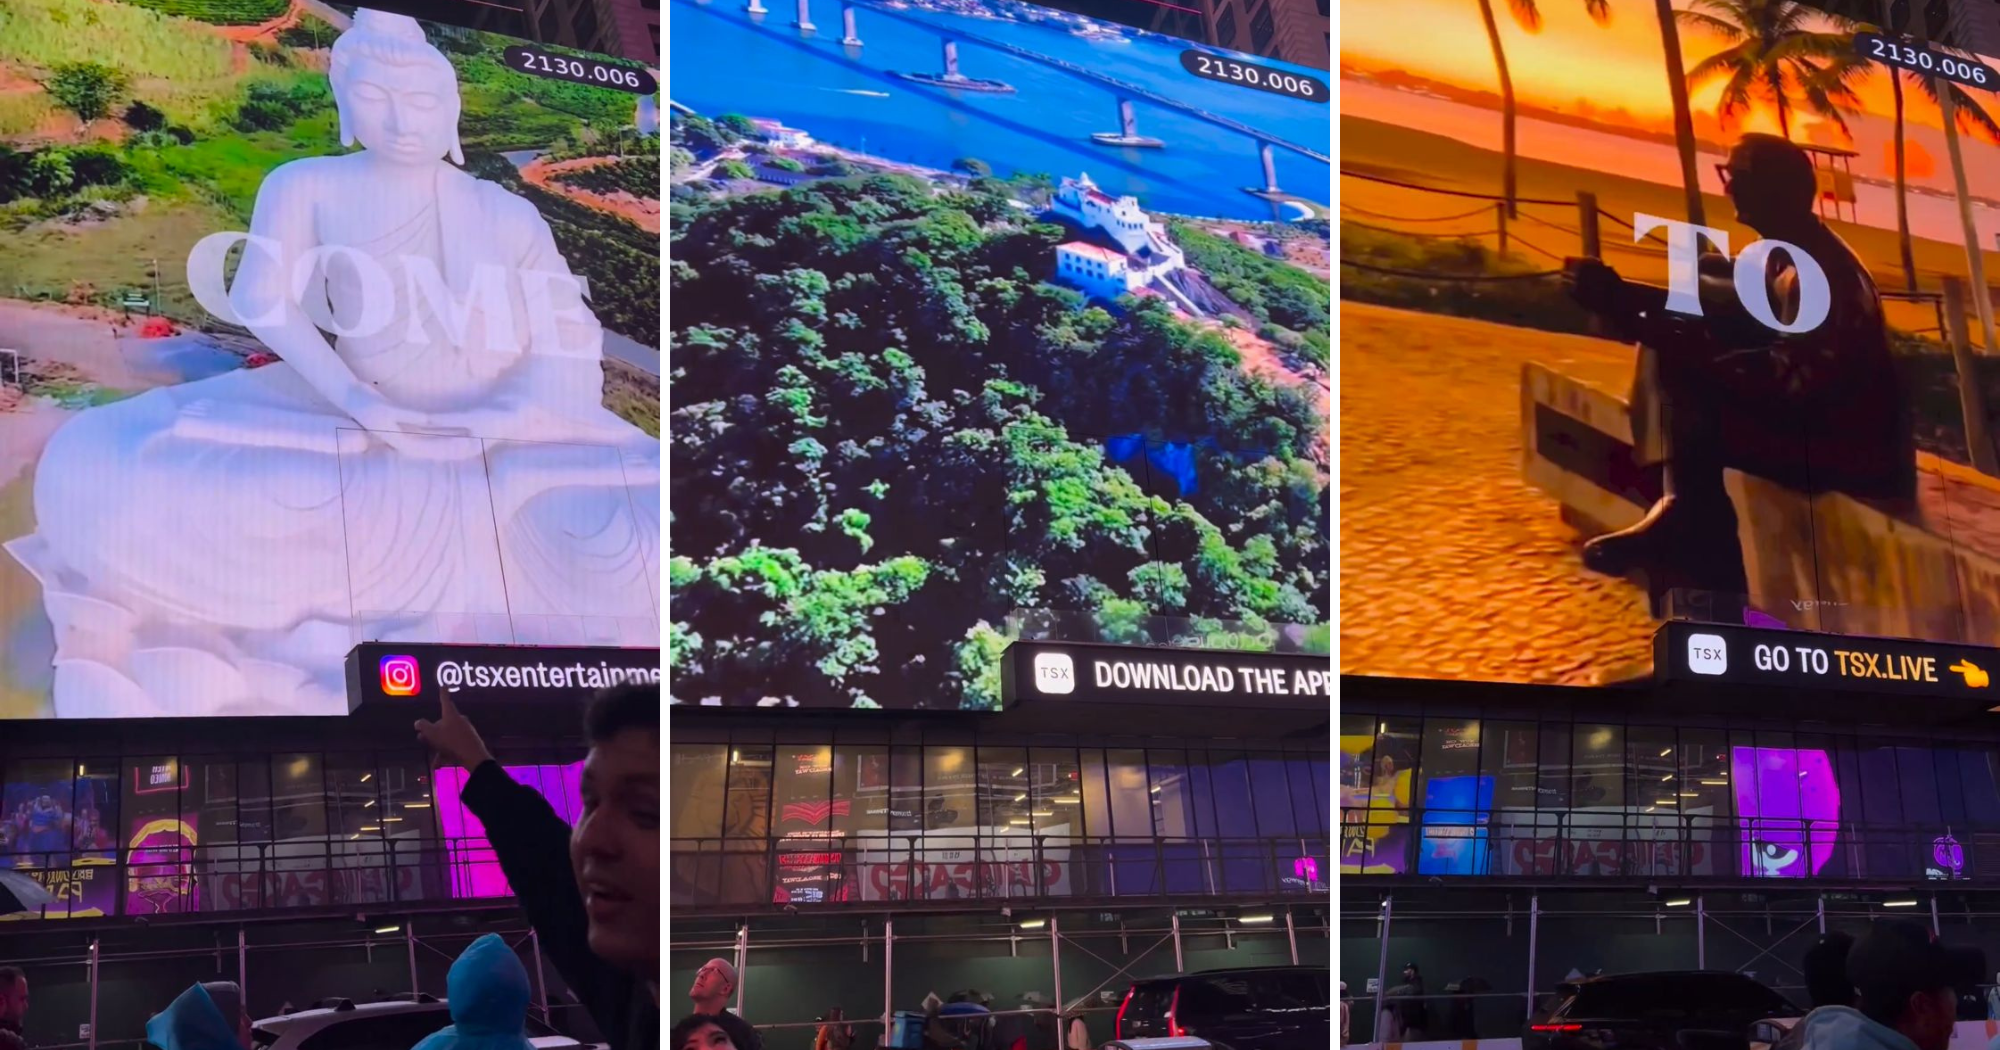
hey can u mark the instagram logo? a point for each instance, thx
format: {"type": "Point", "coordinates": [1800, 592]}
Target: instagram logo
{"type": "Point", "coordinates": [399, 675]}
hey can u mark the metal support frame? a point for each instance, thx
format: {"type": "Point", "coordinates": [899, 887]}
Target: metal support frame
{"type": "Point", "coordinates": [1937, 929]}
{"type": "Point", "coordinates": [1534, 937]}
{"type": "Point", "coordinates": [243, 966]}
{"type": "Point", "coordinates": [1382, 967]}
{"type": "Point", "coordinates": [1700, 932]}
{"type": "Point", "coordinates": [742, 963]}
{"type": "Point", "coordinates": [1822, 914]}
{"type": "Point", "coordinates": [94, 952]}
{"type": "Point", "coordinates": [541, 980]}
{"type": "Point", "coordinates": [1291, 935]}
{"type": "Point", "coordinates": [1055, 955]}
{"type": "Point", "coordinates": [1180, 962]}
{"type": "Point", "coordinates": [888, 976]}
{"type": "Point", "coordinates": [410, 946]}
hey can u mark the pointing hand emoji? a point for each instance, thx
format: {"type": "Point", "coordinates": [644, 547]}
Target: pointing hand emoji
{"type": "Point", "coordinates": [1975, 678]}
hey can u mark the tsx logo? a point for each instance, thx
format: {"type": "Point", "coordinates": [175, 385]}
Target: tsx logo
{"type": "Point", "coordinates": [1708, 654]}
{"type": "Point", "coordinates": [1055, 673]}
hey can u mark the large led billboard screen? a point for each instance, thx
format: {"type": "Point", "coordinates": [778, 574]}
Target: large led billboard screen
{"type": "Point", "coordinates": [316, 327]}
{"type": "Point", "coordinates": [980, 308]}
{"type": "Point", "coordinates": [1651, 319]}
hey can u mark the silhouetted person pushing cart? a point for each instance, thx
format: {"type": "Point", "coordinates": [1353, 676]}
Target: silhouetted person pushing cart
{"type": "Point", "coordinates": [1817, 409]}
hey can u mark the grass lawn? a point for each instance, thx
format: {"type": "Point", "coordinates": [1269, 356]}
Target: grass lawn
{"type": "Point", "coordinates": [46, 259]}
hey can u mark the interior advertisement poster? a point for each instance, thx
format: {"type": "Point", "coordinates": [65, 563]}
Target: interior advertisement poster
{"type": "Point", "coordinates": [983, 308]}
{"type": "Point", "coordinates": [1661, 312]}
{"type": "Point", "coordinates": [317, 325]}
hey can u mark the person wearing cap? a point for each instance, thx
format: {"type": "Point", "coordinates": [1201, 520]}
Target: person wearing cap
{"type": "Point", "coordinates": [208, 1016]}
{"type": "Point", "coordinates": [1905, 993]}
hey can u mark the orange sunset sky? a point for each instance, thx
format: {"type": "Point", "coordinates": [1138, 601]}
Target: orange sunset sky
{"type": "Point", "coordinates": [1619, 66]}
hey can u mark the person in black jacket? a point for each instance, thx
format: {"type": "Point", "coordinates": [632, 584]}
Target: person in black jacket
{"type": "Point", "coordinates": [591, 892]}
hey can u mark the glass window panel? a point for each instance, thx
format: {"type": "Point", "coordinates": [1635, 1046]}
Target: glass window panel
{"type": "Point", "coordinates": [1653, 832]}
{"type": "Point", "coordinates": [1507, 754]}
{"type": "Point", "coordinates": [1131, 803]}
{"type": "Point", "coordinates": [1308, 792]}
{"type": "Point", "coordinates": [1916, 775]}
{"type": "Point", "coordinates": [950, 801]}
{"type": "Point", "coordinates": [1054, 785]}
{"type": "Point", "coordinates": [1006, 792]}
{"type": "Point", "coordinates": [160, 836]}
{"type": "Point", "coordinates": [1982, 787]}
{"type": "Point", "coordinates": [699, 775]}
{"type": "Point", "coordinates": [1881, 797]}
{"type": "Point", "coordinates": [1553, 783]}
{"type": "Point", "coordinates": [747, 809]}
{"type": "Point", "coordinates": [1096, 803]}
{"type": "Point", "coordinates": [1173, 813]}
{"type": "Point", "coordinates": [906, 790]}
{"type": "Point", "coordinates": [405, 780]}
{"type": "Point", "coordinates": [860, 790]}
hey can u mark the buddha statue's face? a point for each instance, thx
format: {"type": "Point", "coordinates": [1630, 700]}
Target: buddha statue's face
{"type": "Point", "coordinates": [407, 114]}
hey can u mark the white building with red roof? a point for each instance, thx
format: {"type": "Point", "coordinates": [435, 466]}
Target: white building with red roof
{"type": "Point", "coordinates": [1123, 249]}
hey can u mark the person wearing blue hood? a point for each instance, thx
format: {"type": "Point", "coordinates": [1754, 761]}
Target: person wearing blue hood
{"type": "Point", "coordinates": [1906, 993]}
{"type": "Point", "coordinates": [591, 892]}
{"type": "Point", "coordinates": [487, 990]}
{"type": "Point", "coordinates": [207, 1016]}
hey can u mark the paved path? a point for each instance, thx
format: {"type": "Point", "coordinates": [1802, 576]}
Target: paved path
{"type": "Point", "coordinates": [1450, 565]}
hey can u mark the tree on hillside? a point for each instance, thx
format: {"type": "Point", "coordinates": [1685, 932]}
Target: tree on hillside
{"type": "Point", "coordinates": [88, 89]}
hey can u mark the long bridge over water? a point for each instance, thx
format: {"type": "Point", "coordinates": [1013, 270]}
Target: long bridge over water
{"type": "Point", "coordinates": [1125, 91]}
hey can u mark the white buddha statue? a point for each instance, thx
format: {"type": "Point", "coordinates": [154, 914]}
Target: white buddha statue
{"type": "Point", "coordinates": [440, 468]}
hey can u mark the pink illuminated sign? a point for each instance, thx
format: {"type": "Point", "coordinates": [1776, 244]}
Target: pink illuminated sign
{"type": "Point", "coordinates": [475, 872]}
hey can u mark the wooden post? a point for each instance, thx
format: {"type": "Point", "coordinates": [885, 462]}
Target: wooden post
{"type": "Point", "coordinates": [1501, 210]}
{"type": "Point", "coordinates": [1971, 398]}
{"type": "Point", "coordinates": [1586, 224]}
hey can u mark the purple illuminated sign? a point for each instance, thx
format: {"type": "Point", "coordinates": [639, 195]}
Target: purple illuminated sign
{"type": "Point", "coordinates": [475, 872]}
{"type": "Point", "coordinates": [1788, 804]}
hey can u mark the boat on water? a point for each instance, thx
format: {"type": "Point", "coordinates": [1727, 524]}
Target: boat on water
{"type": "Point", "coordinates": [959, 82]}
{"type": "Point", "coordinates": [1113, 138]}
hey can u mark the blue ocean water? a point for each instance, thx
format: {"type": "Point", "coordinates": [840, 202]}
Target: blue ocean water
{"type": "Point", "coordinates": [724, 61]}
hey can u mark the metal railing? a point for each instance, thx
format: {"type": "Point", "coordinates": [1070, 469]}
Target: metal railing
{"type": "Point", "coordinates": [292, 875]}
{"type": "Point", "coordinates": [1544, 844]}
{"type": "Point", "coordinates": [976, 866]}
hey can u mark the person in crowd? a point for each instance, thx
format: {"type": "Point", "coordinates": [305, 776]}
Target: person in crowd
{"type": "Point", "coordinates": [13, 1008]}
{"type": "Point", "coordinates": [1412, 1017]}
{"type": "Point", "coordinates": [1825, 967]}
{"type": "Point", "coordinates": [716, 1031]}
{"type": "Point", "coordinates": [1905, 993]}
{"type": "Point", "coordinates": [835, 1033]}
{"type": "Point", "coordinates": [596, 905]}
{"type": "Point", "coordinates": [1346, 1016]}
{"type": "Point", "coordinates": [713, 984]}
{"type": "Point", "coordinates": [208, 1016]}
{"type": "Point", "coordinates": [487, 989]}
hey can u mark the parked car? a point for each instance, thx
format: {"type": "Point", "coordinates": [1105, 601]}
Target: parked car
{"type": "Point", "coordinates": [1659, 1011]}
{"type": "Point", "coordinates": [342, 1024]}
{"type": "Point", "coordinates": [1270, 1008]}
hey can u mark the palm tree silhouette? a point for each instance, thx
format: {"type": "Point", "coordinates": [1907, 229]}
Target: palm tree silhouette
{"type": "Point", "coordinates": [1774, 58]}
{"type": "Point", "coordinates": [1677, 90]}
{"type": "Point", "coordinates": [1528, 14]}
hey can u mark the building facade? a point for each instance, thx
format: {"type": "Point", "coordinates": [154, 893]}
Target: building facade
{"type": "Point", "coordinates": [1045, 854]}
{"type": "Point", "coordinates": [1567, 831]}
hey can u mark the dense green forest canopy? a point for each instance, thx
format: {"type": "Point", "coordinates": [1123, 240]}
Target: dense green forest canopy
{"type": "Point", "coordinates": [889, 432]}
